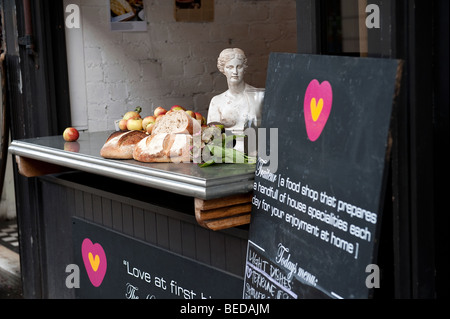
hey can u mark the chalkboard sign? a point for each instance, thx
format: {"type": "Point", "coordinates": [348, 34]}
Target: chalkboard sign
{"type": "Point", "coordinates": [115, 266]}
{"type": "Point", "coordinates": [316, 211]}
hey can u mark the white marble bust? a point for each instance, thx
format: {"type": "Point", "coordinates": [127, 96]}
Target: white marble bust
{"type": "Point", "coordinates": [240, 106]}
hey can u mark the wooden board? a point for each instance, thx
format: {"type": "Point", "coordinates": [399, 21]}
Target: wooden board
{"type": "Point", "coordinates": [223, 213]}
{"type": "Point", "coordinates": [33, 168]}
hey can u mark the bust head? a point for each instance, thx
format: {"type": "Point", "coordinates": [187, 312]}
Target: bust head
{"type": "Point", "coordinates": [229, 54]}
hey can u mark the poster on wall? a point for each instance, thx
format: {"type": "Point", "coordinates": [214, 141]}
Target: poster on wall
{"type": "Point", "coordinates": [316, 215]}
{"type": "Point", "coordinates": [194, 10]}
{"type": "Point", "coordinates": [127, 15]}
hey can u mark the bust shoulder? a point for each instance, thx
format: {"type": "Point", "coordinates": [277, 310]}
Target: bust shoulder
{"type": "Point", "coordinates": [218, 98]}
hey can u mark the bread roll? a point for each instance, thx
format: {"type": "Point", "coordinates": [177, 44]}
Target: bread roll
{"type": "Point", "coordinates": [120, 145]}
{"type": "Point", "coordinates": [120, 7]}
{"type": "Point", "coordinates": [164, 148]}
{"type": "Point", "coordinates": [178, 122]}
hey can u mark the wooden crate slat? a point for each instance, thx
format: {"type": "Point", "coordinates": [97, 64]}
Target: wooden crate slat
{"type": "Point", "coordinates": [223, 213]}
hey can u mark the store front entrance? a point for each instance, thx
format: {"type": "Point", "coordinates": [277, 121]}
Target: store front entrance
{"type": "Point", "coordinates": [413, 236]}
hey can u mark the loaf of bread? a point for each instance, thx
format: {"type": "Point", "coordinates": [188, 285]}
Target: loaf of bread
{"type": "Point", "coordinates": [170, 142]}
{"type": "Point", "coordinates": [120, 145]}
{"type": "Point", "coordinates": [164, 148]}
{"type": "Point", "coordinates": [178, 122]}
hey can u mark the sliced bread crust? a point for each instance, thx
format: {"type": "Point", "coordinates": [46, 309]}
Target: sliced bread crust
{"type": "Point", "coordinates": [164, 148]}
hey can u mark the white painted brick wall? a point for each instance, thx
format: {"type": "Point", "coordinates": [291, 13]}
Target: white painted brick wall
{"type": "Point", "coordinates": [175, 62]}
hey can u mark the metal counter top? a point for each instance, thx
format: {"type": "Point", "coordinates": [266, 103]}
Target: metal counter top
{"type": "Point", "coordinates": [220, 180]}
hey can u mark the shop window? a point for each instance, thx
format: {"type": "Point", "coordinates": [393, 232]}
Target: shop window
{"type": "Point", "coordinates": [346, 25]}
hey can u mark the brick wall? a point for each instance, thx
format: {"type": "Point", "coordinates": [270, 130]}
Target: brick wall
{"type": "Point", "coordinates": [175, 62]}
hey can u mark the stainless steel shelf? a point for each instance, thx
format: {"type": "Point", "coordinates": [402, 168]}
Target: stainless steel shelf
{"type": "Point", "coordinates": [220, 180]}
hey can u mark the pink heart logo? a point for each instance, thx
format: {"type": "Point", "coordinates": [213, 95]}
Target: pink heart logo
{"type": "Point", "coordinates": [95, 262]}
{"type": "Point", "coordinates": [317, 108]}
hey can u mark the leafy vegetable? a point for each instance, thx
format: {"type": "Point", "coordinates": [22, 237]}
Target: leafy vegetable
{"type": "Point", "coordinates": [225, 153]}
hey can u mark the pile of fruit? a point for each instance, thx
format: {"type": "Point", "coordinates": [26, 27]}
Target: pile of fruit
{"type": "Point", "coordinates": [133, 121]}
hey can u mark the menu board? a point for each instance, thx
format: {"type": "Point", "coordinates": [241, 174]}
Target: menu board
{"type": "Point", "coordinates": [317, 205]}
{"type": "Point", "coordinates": [116, 266]}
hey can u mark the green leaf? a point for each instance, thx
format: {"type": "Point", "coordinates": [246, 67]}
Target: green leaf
{"type": "Point", "coordinates": [227, 155]}
{"type": "Point", "coordinates": [209, 163]}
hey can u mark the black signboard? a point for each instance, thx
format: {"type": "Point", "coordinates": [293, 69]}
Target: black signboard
{"type": "Point", "coordinates": [317, 203]}
{"type": "Point", "coordinates": [115, 266]}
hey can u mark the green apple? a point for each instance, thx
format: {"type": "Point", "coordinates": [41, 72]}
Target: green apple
{"type": "Point", "coordinates": [177, 108]}
{"type": "Point", "coordinates": [133, 114]}
{"type": "Point", "coordinates": [134, 124]}
{"type": "Point", "coordinates": [149, 128]}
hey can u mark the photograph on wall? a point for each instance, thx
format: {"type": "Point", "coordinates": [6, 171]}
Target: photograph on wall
{"type": "Point", "coordinates": [127, 15]}
{"type": "Point", "coordinates": [194, 10]}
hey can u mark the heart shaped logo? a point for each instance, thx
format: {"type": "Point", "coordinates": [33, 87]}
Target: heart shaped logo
{"type": "Point", "coordinates": [317, 108]}
{"type": "Point", "coordinates": [95, 262]}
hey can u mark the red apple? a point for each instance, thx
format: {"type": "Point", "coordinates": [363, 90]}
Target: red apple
{"type": "Point", "coordinates": [123, 125]}
{"type": "Point", "coordinates": [71, 134]}
{"type": "Point", "coordinates": [160, 111]}
{"type": "Point", "coordinates": [149, 128]}
{"type": "Point", "coordinates": [199, 117]}
{"type": "Point", "coordinates": [148, 120]}
{"type": "Point", "coordinates": [177, 108]}
{"type": "Point", "coordinates": [191, 113]}
{"type": "Point", "coordinates": [134, 124]}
